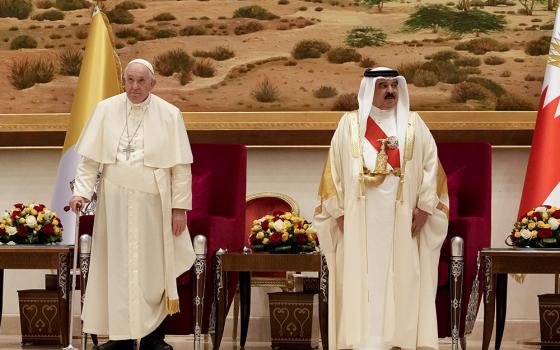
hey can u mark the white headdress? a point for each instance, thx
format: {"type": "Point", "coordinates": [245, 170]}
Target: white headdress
{"type": "Point", "coordinates": [367, 88]}
{"type": "Point", "coordinates": [144, 63]}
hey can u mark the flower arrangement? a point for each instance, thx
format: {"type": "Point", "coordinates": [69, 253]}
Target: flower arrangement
{"type": "Point", "coordinates": [30, 224]}
{"type": "Point", "coordinates": [283, 232]}
{"type": "Point", "coordinates": [539, 228]}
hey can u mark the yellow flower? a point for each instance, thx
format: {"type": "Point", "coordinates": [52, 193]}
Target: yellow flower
{"type": "Point", "coordinates": [21, 220]}
{"type": "Point", "coordinates": [552, 210]}
{"type": "Point", "coordinates": [287, 224]}
{"type": "Point", "coordinates": [530, 212]}
{"type": "Point", "coordinates": [260, 235]}
{"type": "Point", "coordinates": [255, 228]}
{"type": "Point", "coordinates": [27, 210]}
{"type": "Point", "coordinates": [534, 234]}
{"type": "Point", "coordinates": [310, 237]}
{"type": "Point", "coordinates": [545, 216]}
{"type": "Point", "coordinates": [55, 222]}
{"type": "Point", "coordinates": [517, 234]}
{"type": "Point", "coordinates": [305, 226]}
{"type": "Point", "coordinates": [265, 241]}
{"type": "Point", "coordinates": [33, 211]}
{"type": "Point", "coordinates": [2, 225]}
{"type": "Point", "coordinates": [524, 220]}
{"type": "Point", "coordinates": [40, 217]}
{"type": "Point", "coordinates": [285, 237]}
{"type": "Point", "coordinates": [57, 229]}
{"type": "Point", "coordinates": [256, 222]}
{"type": "Point", "coordinates": [38, 227]}
{"type": "Point", "coordinates": [531, 225]}
{"type": "Point", "coordinates": [540, 224]}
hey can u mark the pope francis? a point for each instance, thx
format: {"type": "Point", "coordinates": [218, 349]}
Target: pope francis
{"type": "Point", "coordinates": [381, 222]}
{"type": "Point", "coordinates": [139, 143]}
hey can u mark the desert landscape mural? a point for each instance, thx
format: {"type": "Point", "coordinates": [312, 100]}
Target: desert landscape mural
{"type": "Point", "coordinates": [285, 55]}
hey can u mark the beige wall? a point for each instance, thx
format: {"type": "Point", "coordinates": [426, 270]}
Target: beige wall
{"type": "Point", "coordinates": [28, 175]}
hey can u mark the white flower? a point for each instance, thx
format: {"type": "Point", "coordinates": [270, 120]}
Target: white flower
{"type": "Point", "coordinates": [540, 209]}
{"type": "Point", "coordinates": [553, 223]}
{"type": "Point", "coordinates": [10, 230]}
{"type": "Point", "coordinates": [526, 234]}
{"type": "Point", "coordinates": [30, 221]}
{"type": "Point", "coordinates": [6, 215]}
{"type": "Point", "coordinates": [47, 213]}
{"type": "Point", "coordinates": [278, 225]}
{"type": "Point", "coordinates": [11, 243]}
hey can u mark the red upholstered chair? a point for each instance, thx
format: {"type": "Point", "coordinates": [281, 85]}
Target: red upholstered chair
{"type": "Point", "coordinates": [258, 205]}
{"type": "Point", "coordinates": [468, 167]}
{"type": "Point", "coordinates": [219, 182]}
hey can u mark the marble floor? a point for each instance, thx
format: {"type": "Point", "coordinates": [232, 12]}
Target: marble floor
{"type": "Point", "coordinates": [13, 342]}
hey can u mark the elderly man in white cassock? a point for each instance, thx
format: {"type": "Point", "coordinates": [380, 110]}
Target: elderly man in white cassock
{"type": "Point", "coordinates": [140, 244]}
{"type": "Point", "coordinates": [382, 221]}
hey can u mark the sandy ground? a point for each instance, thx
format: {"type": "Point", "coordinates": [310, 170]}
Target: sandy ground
{"type": "Point", "coordinates": [265, 54]}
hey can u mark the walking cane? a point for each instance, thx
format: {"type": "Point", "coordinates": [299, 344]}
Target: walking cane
{"type": "Point", "coordinates": [74, 267]}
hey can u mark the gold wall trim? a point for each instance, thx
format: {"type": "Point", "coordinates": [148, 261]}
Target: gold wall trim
{"type": "Point", "coordinates": [312, 121]}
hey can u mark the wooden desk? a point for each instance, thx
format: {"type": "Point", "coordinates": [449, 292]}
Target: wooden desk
{"type": "Point", "coordinates": [497, 264]}
{"type": "Point", "coordinates": [57, 257]}
{"type": "Point", "coordinates": [263, 262]}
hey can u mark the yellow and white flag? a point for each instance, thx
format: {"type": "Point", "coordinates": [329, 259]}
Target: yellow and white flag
{"type": "Point", "coordinates": [99, 79]}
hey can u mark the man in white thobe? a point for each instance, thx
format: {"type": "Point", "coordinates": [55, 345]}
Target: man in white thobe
{"type": "Point", "coordinates": [381, 222]}
{"type": "Point", "coordinates": [140, 246]}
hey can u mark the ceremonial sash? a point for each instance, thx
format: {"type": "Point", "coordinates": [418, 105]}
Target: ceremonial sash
{"type": "Point", "coordinates": [374, 133]}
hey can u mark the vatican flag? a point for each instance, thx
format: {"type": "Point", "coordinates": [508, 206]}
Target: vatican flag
{"type": "Point", "coordinates": [99, 79]}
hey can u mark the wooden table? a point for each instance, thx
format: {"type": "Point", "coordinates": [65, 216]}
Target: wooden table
{"type": "Point", "coordinates": [497, 264]}
{"type": "Point", "coordinates": [57, 257]}
{"type": "Point", "coordinates": [263, 262]}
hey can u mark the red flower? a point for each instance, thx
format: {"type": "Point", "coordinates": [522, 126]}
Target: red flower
{"type": "Point", "coordinates": [22, 230]}
{"type": "Point", "coordinates": [264, 225]}
{"type": "Point", "coordinates": [545, 233]}
{"type": "Point", "coordinates": [278, 213]}
{"type": "Point", "coordinates": [19, 205]}
{"type": "Point", "coordinates": [275, 238]}
{"type": "Point", "coordinates": [556, 214]}
{"type": "Point", "coordinates": [39, 207]}
{"type": "Point", "coordinates": [253, 239]}
{"type": "Point", "coordinates": [301, 239]}
{"type": "Point", "coordinates": [48, 229]}
{"type": "Point", "coordinates": [2, 231]}
{"type": "Point", "coordinates": [536, 215]}
{"type": "Point", "coordinates": [15, 214]}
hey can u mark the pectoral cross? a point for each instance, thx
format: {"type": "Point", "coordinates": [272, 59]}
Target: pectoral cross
{"type": "Point", "coordinates": [128, 150]}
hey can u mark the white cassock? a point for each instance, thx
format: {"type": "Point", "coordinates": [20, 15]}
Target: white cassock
{"type": "Point", "coordinates": [382, 281]}
{"type": "Point", "coordinates": [135, 257]}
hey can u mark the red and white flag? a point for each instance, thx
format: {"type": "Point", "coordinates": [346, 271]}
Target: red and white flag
{"type": "Point", "coordinates": [542, 180]}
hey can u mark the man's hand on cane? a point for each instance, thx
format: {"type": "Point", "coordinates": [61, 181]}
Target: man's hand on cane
{"type": "Point", "coordinates": [179, 221]}
{"type": "Point", "coordinates": [76, 203]}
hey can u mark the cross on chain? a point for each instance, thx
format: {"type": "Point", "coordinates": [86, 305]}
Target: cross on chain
{"type": "Point", "coordinates": [128, 149]}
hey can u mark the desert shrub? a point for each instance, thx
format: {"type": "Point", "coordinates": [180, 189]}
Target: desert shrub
{"type": "Point", "coordinates": [265, 91]}
{"type": "Point", "coordinates": [283, 2]}
{"type": "Point", "coordinates": [505, 74]}
{"type": "Point", "coordinates": [193, 30]}
{"type": "Point", "coordinates": [130, 5]}
{"type": "Point", "coordinates": [346, 102]}
{"type": "Point", "coordinates": [325, 92]}
{"type": "Point", "coordinates": [127, 33]}
{"type": "Point", "coordinates": [511, 102]}
{"type": "Point", "coordinates": [548, 26]}
{"type": "Point", "coordinates": [538, 47]}
{"type": "Point", "coordinates": [119, 45]}
{"type": "Point", "coordinates": [494, 60]}
{"type": "Point", "coordinates": [165, 33]}
{"type": "Point", "coordinates": [519, 60]}
{"type": "Point", "coordinates": [318, 9]}
{"type": "Point", "coordinates": [423, 78]}
{"type": "Point", "coordinates": [23, 42]}
{"type": "Point", "coordinates": [482, 45]}
{"type": "Point", "coordinates": [365, 36]}
{"type": "Point", "coordinates": [491, 85]}
{"type": "Point", "coordinates": [184, 77]}
{"type": "Point", "coordinates": [70, 5]}
{"type": "Point", "coordinates": [219, 53]}
{"type": "Point", "coordinates": [71, 62]}
{"type": "Point", "coordinates": [310, 49]}
{"type": "Point", "coordinates": [25, 73]}
{"type": "Point", "coordinates": [13, 28]}
{"type": "Point", "coordinates": [530, 77]}
{"type": "Point", "coordinates": [120, 15]}
{"type": "Point", "coordinates": [81, 33]}
{"type": "Point", "coordinates": [173, 61]}
{"type": "Point", "coordinates": [49, 15]}
{"type": "Point", "coordinates": [469, 91]}
{"type": "Point", "coordinates": [131, 41]}
{"type": "Point", "coordinates": [466, 61]}
{"type": "Point", "coordinates": [54, 36]}
{"type": "Point", "coordinates": [19, 9]}
{"type": "Point", "coordinates": [303, 8]}
{"type": "Point", "coordinates": [469, 70]}
{"type": "Point", "coordinates": [164, 16]}
{"type": "Point", "coordinates": [249, 27]}
{"type": "Point", "coordinates": [204, 68]}
{"type": "Point", "coordinates": [475, 19]}
{"type": "Point", "coordinates": [407, 70]}
{"type": "Point", "coordinates": [340, 55]}
{"type": "Point", "coordinates": [44, 4]}
{"type": "Point", "coordinates": [443, 55]}
{"type": "Point", "coordinates": [446, 71]}
{"type": "Point", "coordinates": [367, 62]}
{"type": "Point", "coordinates": [254, 11]}
{"type": "Point", "coordinates": [290, 63]}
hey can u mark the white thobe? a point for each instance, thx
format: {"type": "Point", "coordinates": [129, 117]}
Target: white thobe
{"type": "Point", "coordinates": [126, 284]}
